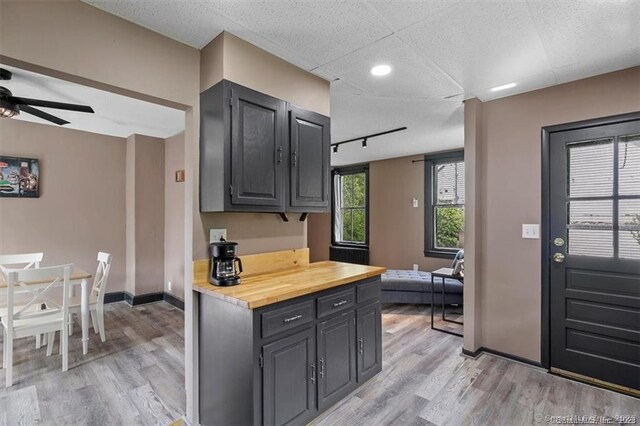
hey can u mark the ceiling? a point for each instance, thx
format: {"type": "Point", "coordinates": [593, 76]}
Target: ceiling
{"type": "Point", "coordinates": [115, 115]}
{"type": "Point", "coordinates": [441, 52]}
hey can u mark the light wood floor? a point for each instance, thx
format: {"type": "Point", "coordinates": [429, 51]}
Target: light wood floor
{"type": "Point", "coordinates": [137, 377]}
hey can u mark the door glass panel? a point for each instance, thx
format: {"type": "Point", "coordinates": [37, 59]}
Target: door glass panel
{"type": "Point", "coordinates": [591, 214]}
{"type": "Point", "coordinates": [590, 242]}
{"type": "Point", "coordinates": [629, 165]}
{"type": "Point", "coordinates": [591, 168]}
{"type": "Point", "coordinates": [629, 234]}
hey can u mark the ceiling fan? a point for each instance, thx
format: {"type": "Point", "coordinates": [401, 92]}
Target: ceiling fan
{"type": "Point", "coordinates": [12, 105]}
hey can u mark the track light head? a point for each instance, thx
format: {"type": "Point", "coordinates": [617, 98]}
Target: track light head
{"type": "Point", "coordinates": [364, 142]}
{"type": "Point", "coordinates": [335, 149]}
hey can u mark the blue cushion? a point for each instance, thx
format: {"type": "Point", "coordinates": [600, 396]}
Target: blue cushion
{"type": "Point", "coordinates": [403, 280]}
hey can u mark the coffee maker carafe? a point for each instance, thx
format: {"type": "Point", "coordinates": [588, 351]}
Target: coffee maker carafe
{"type": "Point", "coordinates": [225, 265]}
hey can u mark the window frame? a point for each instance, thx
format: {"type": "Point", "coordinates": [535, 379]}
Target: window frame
{"type": "Point", "coordinates": [350, 170]}
{"type": "Point", "coordinates": [430, 161]}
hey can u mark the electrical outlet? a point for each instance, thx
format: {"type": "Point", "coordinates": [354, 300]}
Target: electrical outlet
{"type": "Point", "coordinates": [168, 285]}
{"type": "Point", "coordinates": [216, 234]}
{"type": "Point", "coordinates": [415, 266]}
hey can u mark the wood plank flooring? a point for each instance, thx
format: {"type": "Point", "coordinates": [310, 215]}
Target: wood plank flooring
{"type": "Point", "coordinates": [137, 378]}
{"type": "Point", "coordinates": [425, 381]}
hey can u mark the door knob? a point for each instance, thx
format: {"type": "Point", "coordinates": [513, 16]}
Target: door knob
{"type": "Point", "coordinates": [558, 257]}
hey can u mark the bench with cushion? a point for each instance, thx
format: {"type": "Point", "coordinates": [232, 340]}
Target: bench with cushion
{"type": "Point", "coordinates": [401, 286]}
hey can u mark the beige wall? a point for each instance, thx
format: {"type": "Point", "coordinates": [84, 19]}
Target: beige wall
{"type": "Point", "coordinates": [233, 59]}
{"type": "Point", "coordinates": [511, 195]}
{"type": "Point", "coordinates": [148, 215]}
{"type": "Point", "coordinates": [81, 209]}
{"type": "Point", "coordinates": [174, 216]}
{"type": "Point", "coordinates": [396, 229]}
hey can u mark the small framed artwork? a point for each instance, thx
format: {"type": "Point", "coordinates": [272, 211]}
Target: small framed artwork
{"type": "Point", "coordinates": [19, 177]}
{"type": "Point", "coordinates": [180, 176]}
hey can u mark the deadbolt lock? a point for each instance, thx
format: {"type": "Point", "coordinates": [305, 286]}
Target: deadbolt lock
{"type": "Point", "coordinates": [558, 257]}
{"type": "Point", "coordinates": [559, 242]}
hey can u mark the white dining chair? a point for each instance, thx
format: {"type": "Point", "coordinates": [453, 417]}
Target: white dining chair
{"type": "Point", "coordinates": [20, 322]}
{"type": "Point", "coordinates": [96, 297]}
{"type": "Point", "coordinates": [20, 261]}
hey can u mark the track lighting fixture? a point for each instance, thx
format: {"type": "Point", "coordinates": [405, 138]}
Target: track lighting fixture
{"type": "Point", "coordinates": [365, 138]}
{"type": "Point", "coordinates": [364, 142]}
{"type": "Point", "coordinates": [335, 149]}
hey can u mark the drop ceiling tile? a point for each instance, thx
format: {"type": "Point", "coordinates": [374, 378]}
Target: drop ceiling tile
{"type": "Point", "coordinates": [539, 81]}
{"type": "Point", "coordinates": [411, 74]}
{"type": "Point", "coordinates": [481, 44]}
{"type": "Point", "coordinates": [184, 21]}
{"type": "Point", "coordinates": [401, 14]}
{"type": "Point", "coordinates": [579, 34]}
{"type": "Point", "coordinates": [318, 31]}
{"type": "Point", "coordinates": [597, 67]}
{"type": "Point", "coordinates": [432, 125]}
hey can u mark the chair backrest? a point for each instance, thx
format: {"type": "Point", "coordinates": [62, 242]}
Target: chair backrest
{"type": "Point", "coordinates": [102, 275]}
{"type": "Point", "coordinates": [27, 260]}
{"type": "Point", "coordinates": [23, 280]}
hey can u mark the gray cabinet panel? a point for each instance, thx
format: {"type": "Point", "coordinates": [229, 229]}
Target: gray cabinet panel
{"type": "Point", "coordinates": [336, 359]}
{"type": "Point", "coordinates": [335, 302]}
{"type": "Point", "coordinates": [289, 379]}
{"type": "Point", "coordinates": [278, 320]}
{"type": "Point", "coordinates": [257, 148]}
{"type": "Point", "coordinates": [310, 141]}
{"type": "Point", "coordinates": [369, 325]}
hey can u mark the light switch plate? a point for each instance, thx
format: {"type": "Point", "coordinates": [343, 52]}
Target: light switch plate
{"type": "Point", "coordinates": [215, 234]}
{"type": "Point", "coordinates": [415, 202]}
{"type": "Point", "coordinates": [531, 231]}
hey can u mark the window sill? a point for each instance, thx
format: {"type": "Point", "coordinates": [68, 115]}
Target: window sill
{"type": "Point", "coordinates": [442, 254]}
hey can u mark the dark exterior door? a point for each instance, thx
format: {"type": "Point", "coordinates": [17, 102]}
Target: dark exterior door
{"type": "Point", "coordinates": [258, 124]}
{"type": "Point", "coordinates": [594, 248]}
{"type": "Point", "coordinates": [369, 333]}
{"type": "Point", "coordinates": [289, 379]}
{"type": "Point", "coordinates": [336, 359]}
{"type": "Point", "coordinates": [310, 146]}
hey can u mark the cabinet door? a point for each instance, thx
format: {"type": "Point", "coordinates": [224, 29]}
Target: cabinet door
{"type": "Point", "coordinates": [289, 379]}
{"type": "Point", "coordinates": [310, 157]}
{"type": "Point", "coordinates": [258, 137]}
{"type": "Point", "coordinates": [336, 358]}
{"type": "Point", "coordinates": [369, 325]}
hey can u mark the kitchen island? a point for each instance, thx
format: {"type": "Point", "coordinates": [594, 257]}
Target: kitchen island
{"type": "Point", "coordinates": [288, 342]}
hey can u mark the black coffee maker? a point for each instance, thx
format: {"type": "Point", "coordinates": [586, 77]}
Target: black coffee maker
{"type": "Point", "coordinates": [223, 263]}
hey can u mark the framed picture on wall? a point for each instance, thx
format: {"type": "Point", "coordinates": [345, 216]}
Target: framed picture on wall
{"type": "Point", "coordinates": [19, 177]}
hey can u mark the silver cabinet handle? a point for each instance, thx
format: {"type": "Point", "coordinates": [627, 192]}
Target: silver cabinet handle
{"type": "Point", "coordinates": [321, 362]}
{"type": "Point", "coordinates": [361, 344]}
{"type": "Point", "coordinates": [293, 318]}
{"type": "Point", "coordinates": [279, 155]}
{"type": "Point", "coordinates": [294, 158]}
{"type": "Point", "coordinates": [313, 372]}
{"type": "Point", "coordinates": [340, 303]}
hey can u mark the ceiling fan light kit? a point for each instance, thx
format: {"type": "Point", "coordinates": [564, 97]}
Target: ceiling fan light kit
{"type": "Point", "coordinates": [10, 105]}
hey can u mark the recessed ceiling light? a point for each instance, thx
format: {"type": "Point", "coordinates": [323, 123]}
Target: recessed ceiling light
{"type": "Point", "coordinates": [380, 70]}
{"type": "Point", "coordinates": [503, 87]}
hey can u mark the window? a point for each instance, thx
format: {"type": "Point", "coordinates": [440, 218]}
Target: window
{"type": "Point", "coordinates": [444, 204]}
{"type": "Point", "coordinates": [351, 206]}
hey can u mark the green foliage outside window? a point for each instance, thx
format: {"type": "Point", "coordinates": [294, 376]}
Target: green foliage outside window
{"type": "Point", "coordinates": [449, 225]}
{"type": "Point", "coordinates": [353, 208]}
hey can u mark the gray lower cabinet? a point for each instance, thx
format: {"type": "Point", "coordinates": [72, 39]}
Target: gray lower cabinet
{"type": "Point", "coordinates": [336, 358]}
{"type": "Point", "coordinates": [285, 363]}
{"type": "Point", "coordinates": [289, 379]}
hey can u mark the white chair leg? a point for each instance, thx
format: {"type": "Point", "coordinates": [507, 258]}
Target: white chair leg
{"type": "Point", "coordinates": [94, 321]}
{"type": "Point", "coordinates": [70, 324]}
{"type": "Point", "coordinates": [50, 338]}
{"type": "Point", "coordinates": [64, 347]}
{"type": "Point", "coordinates": [9, 358]}
{"type": "Point", "coordinates": [4, 350]}
{"type": "Point", "coordinates": [100, 315]}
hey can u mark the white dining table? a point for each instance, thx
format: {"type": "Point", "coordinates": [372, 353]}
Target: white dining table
{"type": "Point", "coordinates": [77, 277]}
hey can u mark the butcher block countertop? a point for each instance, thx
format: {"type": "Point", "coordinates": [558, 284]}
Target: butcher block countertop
{"type": "Point", "coordinates": [266, 288]}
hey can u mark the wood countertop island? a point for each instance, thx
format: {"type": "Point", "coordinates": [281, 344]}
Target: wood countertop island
{"type": "Point", "coordinates": [261, 289]}
{"type": "Point", "coordinates": [292, 339]}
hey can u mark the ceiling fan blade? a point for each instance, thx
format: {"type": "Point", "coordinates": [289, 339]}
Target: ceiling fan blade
{"type": "Point", "coordinates": [43, 115]}
{"type": "Point", "coordinates": [50, 104]}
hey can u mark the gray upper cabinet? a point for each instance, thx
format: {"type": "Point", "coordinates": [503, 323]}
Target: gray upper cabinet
{"type": "Point", "coordinates": [257, 156]}
{"type": "Point", "coordinates": [289, 380]}
{"type": "Point", "coordinates": [310, 141]}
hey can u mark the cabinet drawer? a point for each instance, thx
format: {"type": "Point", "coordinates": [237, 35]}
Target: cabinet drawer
{"type": "Point", "coordinates": [368, 291]}
{"type": "Point", "coordinates": [282, 319]}
{"type": "Point", "coordinates": [335, 302]}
